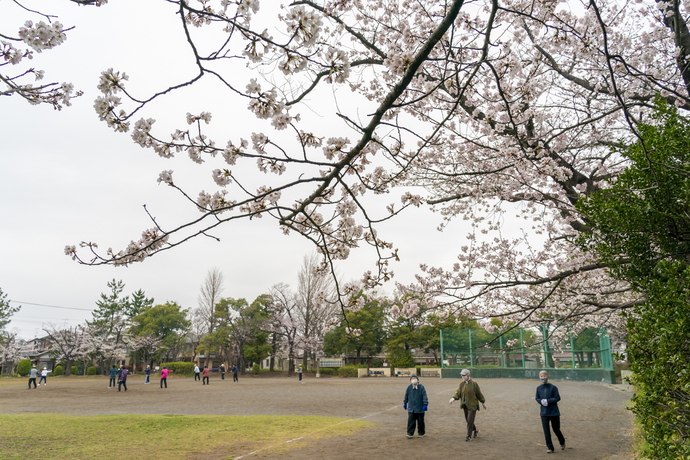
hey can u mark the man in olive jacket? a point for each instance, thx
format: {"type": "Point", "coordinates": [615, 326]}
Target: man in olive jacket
{"type": "Point", "coordinates": [416, 403]}
{"type": "Point", "coordinates": [470, 396]}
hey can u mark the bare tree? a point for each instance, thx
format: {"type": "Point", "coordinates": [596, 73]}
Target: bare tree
{"type": "Point", "coordinates": [209, 296]}
{"type": "Point", "coordinates": [317, 305]}
{"type": "Point", "coordinates": [284, 322]}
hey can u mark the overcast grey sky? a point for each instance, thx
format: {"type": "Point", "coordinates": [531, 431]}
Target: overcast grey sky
{"type": "Point", "coordinates": [66, 177]}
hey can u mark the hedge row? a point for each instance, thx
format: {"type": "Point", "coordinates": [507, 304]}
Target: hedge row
{"type": "Point", "coordinates": [180, 368]}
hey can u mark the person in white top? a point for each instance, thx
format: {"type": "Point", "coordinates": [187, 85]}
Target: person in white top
{"type": "Point", "coordinates": [44, 376]}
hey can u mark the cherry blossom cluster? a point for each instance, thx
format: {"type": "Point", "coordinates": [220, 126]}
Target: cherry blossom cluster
{"type": "Point", "coordinates": [42, 36]}
{"type": "Point", "coordinates": [38, 37]}
{"type": "Point", "coordinates": [497, 116]}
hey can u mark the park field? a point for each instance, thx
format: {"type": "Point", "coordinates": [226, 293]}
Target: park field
{"type": "Point", "coordinates": [281, 418]}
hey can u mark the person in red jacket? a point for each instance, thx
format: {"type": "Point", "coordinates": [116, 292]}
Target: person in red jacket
{"type": "Point", "coordinates": [164, 377]}
{"type": "Point", "coordinates": [204, 379]}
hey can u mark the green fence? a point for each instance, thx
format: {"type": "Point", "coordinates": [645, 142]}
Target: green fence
{"type": "Point", "coordinates": [522, 353]}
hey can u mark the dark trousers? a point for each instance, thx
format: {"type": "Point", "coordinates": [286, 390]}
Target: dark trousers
{"type": "Point", "coordinates": [111, 383]}
{"type": "Point", "coordinates": [164, 382]}
{"type": "Point", "coordinates": [122, 383]}
{"type": "Point", "coordinates": [555, 426]}
{"type": "Point", "coordinates": [469, 418]}
{"type": "Point", "coordinates": [197, 376]}
{"type": "Point", "coordinates": [204, 380]}
{"type": "Point", "coordinates": [33, 380]}
{"type": "Point", "coordinates": [222, 375]}
{"type": "Point", "coordinates": [234, 377]}
{"type": "Point", "coordinates": [415, 420]}
{"type": "Point", "coordinates": [43, 379]}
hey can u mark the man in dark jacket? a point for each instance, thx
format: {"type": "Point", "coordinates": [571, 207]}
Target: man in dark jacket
{"type": "Point", "coordinates": [416, 403]}
{"type": "Point", "coordinates": [548, 397]}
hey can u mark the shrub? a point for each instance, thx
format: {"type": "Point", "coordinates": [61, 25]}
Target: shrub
{"type": "Point", "coordinates": [91, 371]}
{"type": "Point", "coordinates": [24, 367]}
{"type": "Point", "coordinates": [58, 370]}
{"type": "Point", "coordinates": [349, 371]}
{"type": "Point", "coordinates": [256, 368]}
{"type": "Point", "coordinates": [329, 371]}
{"type": "Point", "coordinates": [376, 362]}
{"type": "Point", "coordinates": [180, 368]}
{"type": "Point", "coordinates": [74, 370]}
{"type": "Point", "coordinates": [400, 357]}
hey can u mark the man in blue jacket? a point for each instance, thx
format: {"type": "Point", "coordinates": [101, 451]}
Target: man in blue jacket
{"type": "Point", "coordinates": [548, 397]}
{"type": "Point", "coordinates": [416, 403]}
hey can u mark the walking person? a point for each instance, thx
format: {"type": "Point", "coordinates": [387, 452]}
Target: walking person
{"type": "Point", "coordinates": [147, 372]}
{"type": "Point", "coordinates": [33, 373]}
{"type": "Point", "coordinates": [197, 372]}
{"type": "Point", "coordinates": [122, 382]}
{"type": "Point", "coordinates": [113, 375]}
{"type": "Point", "coordinates": [548, 397]}
{"type": "Point", "coordinates": [164, 377]}
{"type": "Point", "coordinates": [204, 379]}
{"type": "Point", "coordinates": [299, 372]}
{"type": "Point", "coordinates": [44, 377]}
{"type": "Point", "coordinates": [416, 403]}
{"type": "Point", "coordinates": [222, 372]}
{"type": "Point", "coordinates": [234, 373]}
{"type": "Point", "coordinates": [470, 396]}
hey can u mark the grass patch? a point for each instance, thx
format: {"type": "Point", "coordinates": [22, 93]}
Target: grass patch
{"type": "Point", "coordinates": [54, 436]}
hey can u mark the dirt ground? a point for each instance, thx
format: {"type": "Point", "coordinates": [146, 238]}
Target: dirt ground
{"type": "Point", "coordinates": [593, 416]}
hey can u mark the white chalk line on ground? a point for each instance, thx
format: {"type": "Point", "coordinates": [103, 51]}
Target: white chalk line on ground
{"type": "Point", "coordinates": [321, 429]}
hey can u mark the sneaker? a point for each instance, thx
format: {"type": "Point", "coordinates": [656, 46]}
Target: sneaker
{"type": "Point", "coordinates": [550, 451]}
{"type": "Point", "coordinates": [467, 439]}
{"type": "Point", "coordinates": [476, 432]}
{"type": "Point", "coordinates": [421, 436]}
{"type": "Point", "coordinates": [562, 446]}
{"type": "Point", "coordinates": [409, 436]}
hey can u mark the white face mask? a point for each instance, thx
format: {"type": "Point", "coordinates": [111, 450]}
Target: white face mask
{"type": "Point", "coordinates": [414, 381]}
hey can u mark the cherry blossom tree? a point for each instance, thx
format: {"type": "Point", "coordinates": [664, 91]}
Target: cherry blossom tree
{"type": "Point", "coordinates": [499, 114]}
{"type": "Point", "coordinates": [67, 344]}
{"type": "Point", "coordinates": [146, 346]}
{"type": "Point", "coordinates": [11, 351]}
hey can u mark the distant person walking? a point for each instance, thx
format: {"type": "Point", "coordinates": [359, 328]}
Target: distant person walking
{"type": "Point", "coordinates": [299, 372]}
{"type": "Point", "coordinates": [147, 372]}
{"type": "Point", "coordinates": [204, 379]}
{"type": "Point", "coordinates": [197, 372]}
{"type": "Point", "coordinates": [234, 373]}
{"type": "Point", "coordinates": [470, 396]}
{"type": "Point", "coordinates": [44, 377]}
{"type": "Point", "coordinates": [113, 376]}
{"type": "Point", "coordinates": [222, 372]}
{"type": "Point", "coordinates": [547, 395]}
{"type": "Point", "coordinates": [164, 377]}
{"type": "Point", "coordinates": [33, 373]}
{"type": "Point", "coordinates": [122, 382]}
{"type": "Point", "coordinates": [416, 403]}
